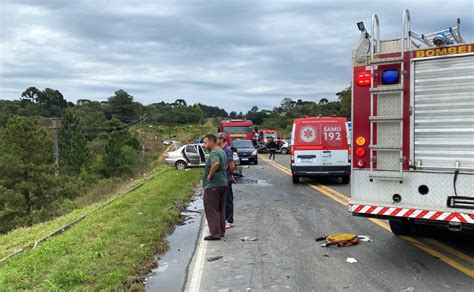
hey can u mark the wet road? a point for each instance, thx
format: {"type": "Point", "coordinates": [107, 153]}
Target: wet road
{"type": "Point", "coordinates": [285, 218]}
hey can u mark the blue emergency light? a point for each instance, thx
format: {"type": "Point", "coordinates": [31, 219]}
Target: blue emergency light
{"type": "Point", "coordinates": [390, 76]}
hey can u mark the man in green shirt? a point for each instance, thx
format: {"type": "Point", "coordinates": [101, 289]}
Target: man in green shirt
{"type": "Point", "coordinates": [214, 183]}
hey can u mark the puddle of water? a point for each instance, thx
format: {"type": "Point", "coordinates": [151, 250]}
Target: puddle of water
{"type": "Point", "coordinates": [171, 272]}
{"type": "Point", "coordinates": [254, 182]}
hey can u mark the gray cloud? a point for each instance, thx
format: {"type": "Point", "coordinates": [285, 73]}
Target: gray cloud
{"type": "Point", "coordinates": [233, 54]}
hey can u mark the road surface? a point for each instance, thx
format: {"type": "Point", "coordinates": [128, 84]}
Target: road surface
{"type": "Point", "coordinates": [286, 218]}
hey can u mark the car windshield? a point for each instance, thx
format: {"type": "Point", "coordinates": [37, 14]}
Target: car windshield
{"type": "Point", "coordinates": [267, 135]}
{"type": "Point", "coordinates": [242, 144]}
{"type": "Point", "coordinates": [238, 130]}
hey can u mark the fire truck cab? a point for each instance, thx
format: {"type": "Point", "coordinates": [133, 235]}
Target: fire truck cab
{"type": "Point", "coordinates": [237, 129]}
{"type": "Point", "coordinates": [413, 129]}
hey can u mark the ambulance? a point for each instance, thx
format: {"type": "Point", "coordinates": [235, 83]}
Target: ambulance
{"type": "Point", "coordinates": [413, 129]}
{"type": "Point", "coordinates": [320, 148]}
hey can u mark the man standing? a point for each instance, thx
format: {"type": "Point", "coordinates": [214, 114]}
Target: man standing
{"type": "Point", "coordinates": [272, 146]}
{"type": "Point", "coordinates": [214, 183]}
{"type": "Point", "coordinates": [229, 201]}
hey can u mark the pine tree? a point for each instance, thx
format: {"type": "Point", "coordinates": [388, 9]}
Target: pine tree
{"type": "Point", "coordinates": [26, 169]}
{"type": "Point", "coordinates": [74, 154]}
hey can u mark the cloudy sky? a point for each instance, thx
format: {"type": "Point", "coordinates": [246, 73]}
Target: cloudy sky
{"type": "Point", "coordinates": [232, 54]}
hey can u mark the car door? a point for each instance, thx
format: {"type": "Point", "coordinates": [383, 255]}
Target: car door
{"type": "Point", "coordinates": [192, 154]}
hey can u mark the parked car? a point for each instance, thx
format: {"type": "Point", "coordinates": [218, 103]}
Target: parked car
{"type": "Point", "coordinates": [190, 155]}
{"type": "Point", "coordinates": [245, 150]}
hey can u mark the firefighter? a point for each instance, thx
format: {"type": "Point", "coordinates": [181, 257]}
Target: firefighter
{"type": "Point", "coordinates": [272, 146]}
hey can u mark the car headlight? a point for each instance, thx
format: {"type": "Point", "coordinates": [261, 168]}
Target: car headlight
{"type": "Point", "coordinates": [254, 152]}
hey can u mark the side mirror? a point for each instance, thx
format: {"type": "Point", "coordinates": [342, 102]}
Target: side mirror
{"type": "Point", "coordinates": [233, 149]}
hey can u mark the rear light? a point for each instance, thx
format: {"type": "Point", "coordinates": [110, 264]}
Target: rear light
{"type": "Point", "coordinates": [360, 141]}
{"type": "Point", "coordinates": [360, 152]}
{"type": "Point", "coordinates": [390, 76]}
{"type": "Point", "coordinates": [292, 155]}
{"type": "Point", "coordinates": [363, 78]}
{"type": "Point", "coordinates": [360, 163]}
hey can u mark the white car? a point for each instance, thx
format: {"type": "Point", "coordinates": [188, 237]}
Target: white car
{"type": "Point", "coordinates": [190, 155]}
{"type": "Point", "coordinates": [285, 147]}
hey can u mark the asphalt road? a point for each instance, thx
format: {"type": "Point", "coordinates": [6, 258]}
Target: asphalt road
{"type": "Point", "coordinates": [286, 218]}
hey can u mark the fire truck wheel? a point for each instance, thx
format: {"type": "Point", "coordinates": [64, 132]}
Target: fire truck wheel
{"type": "Point", "coordinates": [296, 179]}
{"type": "Point", "coordinates": [400, 227]}
{"type": "Point", "coordinates": [346, 179]}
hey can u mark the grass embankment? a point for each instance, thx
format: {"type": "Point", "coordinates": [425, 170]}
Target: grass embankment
{"type": "Point", "coordinates": [109, 248]}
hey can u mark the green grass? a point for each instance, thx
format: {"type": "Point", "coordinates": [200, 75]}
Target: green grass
{"type": "Point", "coordinates": [108, 249]}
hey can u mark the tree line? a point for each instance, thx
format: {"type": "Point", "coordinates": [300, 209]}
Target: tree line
{"type": "Point", "coordinates": [280, 117]}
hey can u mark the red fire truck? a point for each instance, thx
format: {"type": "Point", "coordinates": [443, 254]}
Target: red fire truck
{"type": "Point", "coordinates": [413, 129]}
{"type": "Point", "coordinates": [237, 129]}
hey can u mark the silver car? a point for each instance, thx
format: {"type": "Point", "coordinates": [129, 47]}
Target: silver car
{"type": "Point", "coordinates": [190, 155]}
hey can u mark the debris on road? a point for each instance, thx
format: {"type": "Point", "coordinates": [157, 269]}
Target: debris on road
{"type": "Point", "coordinates": [213, 259]}
{"type": "Point", "coordinates": [351, 260]}
{"type": "Point", "coordinates": [248, 238]}
{"type": "Point", "coordinates": [365, 238]}
{"type": "Point", "coordinates": [339, 240]}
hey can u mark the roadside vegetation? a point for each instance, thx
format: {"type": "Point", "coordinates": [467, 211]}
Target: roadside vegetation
{"type": "Point", "coordinates": [101, 146]}
{"type": "Point", "coordinates": [109, 248]}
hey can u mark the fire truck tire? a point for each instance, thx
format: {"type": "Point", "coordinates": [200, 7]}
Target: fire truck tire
{"type": "Point", "coordinates": [346, 179]}
{"type": "Point", "coordinates": [296, 179]}
{"type": "Point", "coordinates": [400, 227]}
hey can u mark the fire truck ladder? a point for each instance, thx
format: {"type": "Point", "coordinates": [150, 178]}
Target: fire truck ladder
{"type": "Point", "coordinates": [386, 107]}
{"type": "Point", "coordinates": [448, 36]}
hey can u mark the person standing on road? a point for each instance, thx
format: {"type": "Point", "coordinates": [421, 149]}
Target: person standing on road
{"type": "Point", "coordinates": [272, 146]}
{"type": "Point", "coordinates": [229, 201]}
{"type": "Point", "coordinates": [215, 185]}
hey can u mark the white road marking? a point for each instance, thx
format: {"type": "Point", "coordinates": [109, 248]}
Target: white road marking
{"type": "Point", "coordinates": [196, 273]}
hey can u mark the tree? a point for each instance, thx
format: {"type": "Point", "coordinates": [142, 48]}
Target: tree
{"type": "Point", "coordinates": [180, 102]}
{"type": "Point", "coordinates": [26, 168]}
{"type": "Point", "coordinates": [73, 150]}
{"type": "Point", "coordinates": [120, 154]}
{"type": "Point", "coordinates": [233, 115]}
{"type": "Point", "coordinates": [323, 101]}
{"type": "Point", "coordinates": [31, 94]}
{"type": "Point", "coordinates": [122, 107]}
{"type": "Point", "coordinates": [344, 98]}
{"type": "Point", "coordinates": [287, 104]}
{"type": "Point", "coordinates": [213, 111]}
{"type": "Point", "coordinates": [53, 101]}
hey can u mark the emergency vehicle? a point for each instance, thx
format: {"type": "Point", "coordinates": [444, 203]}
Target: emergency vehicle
{"type": "Point", "coordinates": [413, 129]}
{"type": "Point", "coordinates": [320, 148]}
{"type": "Point", "coordinates": [237, 129]}
{"type": "Point", "coordinates": [268, 134]}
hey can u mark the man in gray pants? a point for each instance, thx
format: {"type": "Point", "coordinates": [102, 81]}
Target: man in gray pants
{"type": "Point", "coordinates": [229, 202]}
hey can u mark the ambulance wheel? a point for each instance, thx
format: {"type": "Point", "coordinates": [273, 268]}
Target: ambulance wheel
{"type": "Point", "coordinates": [296, 179]}
{"type": "Point", "coordinates": [400, 227]}
{"type": "Point", "coordinates": [346, 179]}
